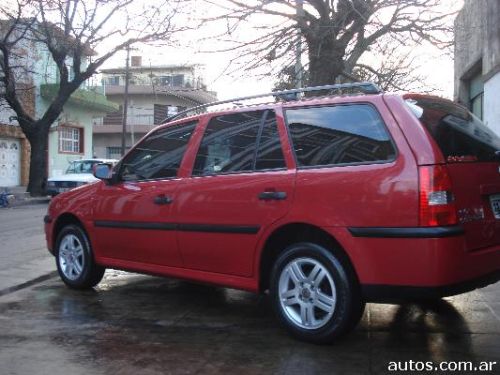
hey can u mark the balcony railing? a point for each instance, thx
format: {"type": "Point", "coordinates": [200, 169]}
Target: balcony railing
{"type": "Point", "coordinates": [194, 83]}
{"type": "Point", "coordinates": [116, 118]}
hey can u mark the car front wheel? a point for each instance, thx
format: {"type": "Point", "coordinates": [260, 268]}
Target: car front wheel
{"type": "Point", "coordinates": [313, 294]}
{"type": "Point", "coordinates": [74, 259]}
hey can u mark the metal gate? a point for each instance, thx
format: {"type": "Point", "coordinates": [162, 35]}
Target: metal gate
{"type": "Point", "coordinates": [10, 162]}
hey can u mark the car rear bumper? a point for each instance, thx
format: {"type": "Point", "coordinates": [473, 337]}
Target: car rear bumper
{"type": "Point", "coordinates": [395, 293]}
{"type": "Point", "coordinates": [417, 262]}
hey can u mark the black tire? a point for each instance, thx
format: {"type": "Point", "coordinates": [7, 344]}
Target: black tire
{"type": "Point", "coordinates": [90, 273]}
{"type": "Point", "coordinates": [347, 309]}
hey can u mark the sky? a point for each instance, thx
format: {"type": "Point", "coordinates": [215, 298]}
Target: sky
{"type": "Point", "coordinates": [432, 63]}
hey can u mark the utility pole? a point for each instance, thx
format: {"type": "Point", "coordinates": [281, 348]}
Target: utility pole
{"type": "Point", "coordinates": [125, 100]}
{"type": "Point", "coordinates": [298, 47]}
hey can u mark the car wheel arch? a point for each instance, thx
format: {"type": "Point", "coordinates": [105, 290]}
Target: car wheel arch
{"type": "Point", "coordinates": [63, 220]}
{"type": "Point", "coordinates": [285, 235]}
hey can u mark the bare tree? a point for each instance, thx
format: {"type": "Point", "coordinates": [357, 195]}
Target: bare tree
{"type": "Point", "coordinates": [342, 39]}
{"type": "Point", "coordinates": [71, 31]}
{"type": "Point", "coordinates": [395, 71]}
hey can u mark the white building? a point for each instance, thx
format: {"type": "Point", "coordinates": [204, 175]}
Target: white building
{"type": "Point", "coordinates": [155, 92]}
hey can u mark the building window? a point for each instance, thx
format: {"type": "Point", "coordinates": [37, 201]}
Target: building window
{"type": "Point", "coordinates": [114, 81]}
{"type": "Point", "coordinates": [178, 80]}
{"type": "Point", "coordinates": [165, 80]}
{"type": "Point", "coordinates": [70, 140]}
{"type": "Point", "coordinates": [476, 95]}
{"type": "Point", "coordinates": [114, 152]}
{"type": "Point", "coordinates": [160, 113]}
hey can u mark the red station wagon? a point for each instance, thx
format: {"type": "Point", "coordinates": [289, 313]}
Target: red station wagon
{"type": "Point", "coordinates": [327, 203]}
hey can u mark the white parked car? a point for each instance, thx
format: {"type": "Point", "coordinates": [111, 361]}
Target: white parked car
{"type": "Point", "coordinates": [79, 172]}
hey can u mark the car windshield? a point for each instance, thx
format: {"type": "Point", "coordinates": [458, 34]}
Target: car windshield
{"type": "Point", "coordinates": [461, 136]}
{"type": "Point", "coordinates": [81, 166]}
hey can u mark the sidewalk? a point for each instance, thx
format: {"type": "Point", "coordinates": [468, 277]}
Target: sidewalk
{"type": "Point", "coordinates": [21, 197]}
{"type": "Point", "coordinates": [24, 259]}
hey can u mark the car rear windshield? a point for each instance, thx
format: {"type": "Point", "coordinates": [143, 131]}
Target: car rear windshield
{"type": "Point", "coordinates": [460, 135]}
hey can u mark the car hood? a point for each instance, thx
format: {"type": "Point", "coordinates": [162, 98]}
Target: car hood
{"type": "Point", "coordinates": [78, 177]}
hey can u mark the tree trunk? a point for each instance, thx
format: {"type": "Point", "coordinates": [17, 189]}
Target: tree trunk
{"type": "Point", "coordinates": [38, 162]}
{"type": "Point", "coordinates": [325, 61]}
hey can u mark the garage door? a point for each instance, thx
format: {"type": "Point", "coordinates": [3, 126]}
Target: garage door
{"type": "Point", "coordinates": [10, 160]}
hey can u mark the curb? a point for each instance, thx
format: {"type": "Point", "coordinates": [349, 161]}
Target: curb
{"type": "Point", "coordinates": [27, 202]}
{"type": "Point", "coordinates": [27, 284]}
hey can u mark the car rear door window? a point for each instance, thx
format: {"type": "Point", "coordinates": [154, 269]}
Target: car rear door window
{"type": "Point", "coordinates": [240, 142]}
{"type": "Point", "coordinates": [270, 154]}
{"type": "Point", "coordinates": [338, 135]}
{"type": "Point", "coordinates": [159, 155]}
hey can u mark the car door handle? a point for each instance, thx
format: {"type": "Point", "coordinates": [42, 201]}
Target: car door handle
{"type": "Point", "coordinates": [272, 195]}
{"type": "Point", "coordinates": [163, 199]}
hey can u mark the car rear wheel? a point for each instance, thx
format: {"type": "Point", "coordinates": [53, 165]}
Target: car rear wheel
{"type": "Point", "coordinates": [74, 259]}
{"type": "Point", "coordinates": [313, 294]}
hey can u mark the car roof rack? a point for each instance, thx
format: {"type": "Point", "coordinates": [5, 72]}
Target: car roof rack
{"type": "Point", "coordinates": [289, 95]}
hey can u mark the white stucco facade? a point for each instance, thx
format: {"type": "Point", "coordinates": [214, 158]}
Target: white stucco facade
{"type": "Point", "coordinates": [492, 103]}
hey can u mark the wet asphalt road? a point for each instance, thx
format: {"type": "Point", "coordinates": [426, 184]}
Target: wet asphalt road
{"type": "Point", "coordinates": [133, 324]}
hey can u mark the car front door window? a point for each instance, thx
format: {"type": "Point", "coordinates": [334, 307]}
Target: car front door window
{"type": "Point", "coordinates": [159, 155]}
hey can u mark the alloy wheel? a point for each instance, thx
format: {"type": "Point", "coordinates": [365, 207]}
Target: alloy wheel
{"type": "Point", "coordinates": [307, 293]}
{"type": "Point", "coordinates": [71, 256]}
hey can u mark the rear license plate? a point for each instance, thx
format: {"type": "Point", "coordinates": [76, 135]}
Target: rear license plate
{"type": "Point", "coordinates": [495, 205]}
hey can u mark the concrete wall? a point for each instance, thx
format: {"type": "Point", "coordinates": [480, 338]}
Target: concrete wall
{"type": "Point", "coordinates": [6, 114]}
{"type": "Point", "coordinates": [469, 37]}
{"type": "Point", "coordinates": [477, 51]}
{"type": "Point", "coordinates": [102, 141]}
{"type": "Point", "coordinates": [491, 56]}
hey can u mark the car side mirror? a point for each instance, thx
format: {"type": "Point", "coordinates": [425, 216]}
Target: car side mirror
{"type": "Point", "coordinates": [103, 171]}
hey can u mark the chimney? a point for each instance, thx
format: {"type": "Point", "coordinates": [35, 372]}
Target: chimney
{"type": "Point", "coordinates": [136, 61]}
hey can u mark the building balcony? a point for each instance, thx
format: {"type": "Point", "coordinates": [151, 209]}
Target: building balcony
{"type": "Point", "coordinates": [192, 97]}
{"type": "Point", "coordinates": [116, 118]}
{"type": "Point", "coordinates": [88, 97]}
{"type": "Point", "coordinates": [117, 129]}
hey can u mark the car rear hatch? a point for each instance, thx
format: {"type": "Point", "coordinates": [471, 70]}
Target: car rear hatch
{"type": "Point", "coordinates": [472, 155]}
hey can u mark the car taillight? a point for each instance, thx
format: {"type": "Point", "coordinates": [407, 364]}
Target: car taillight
{"type": "Point", "coordinates": [437, 203]}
